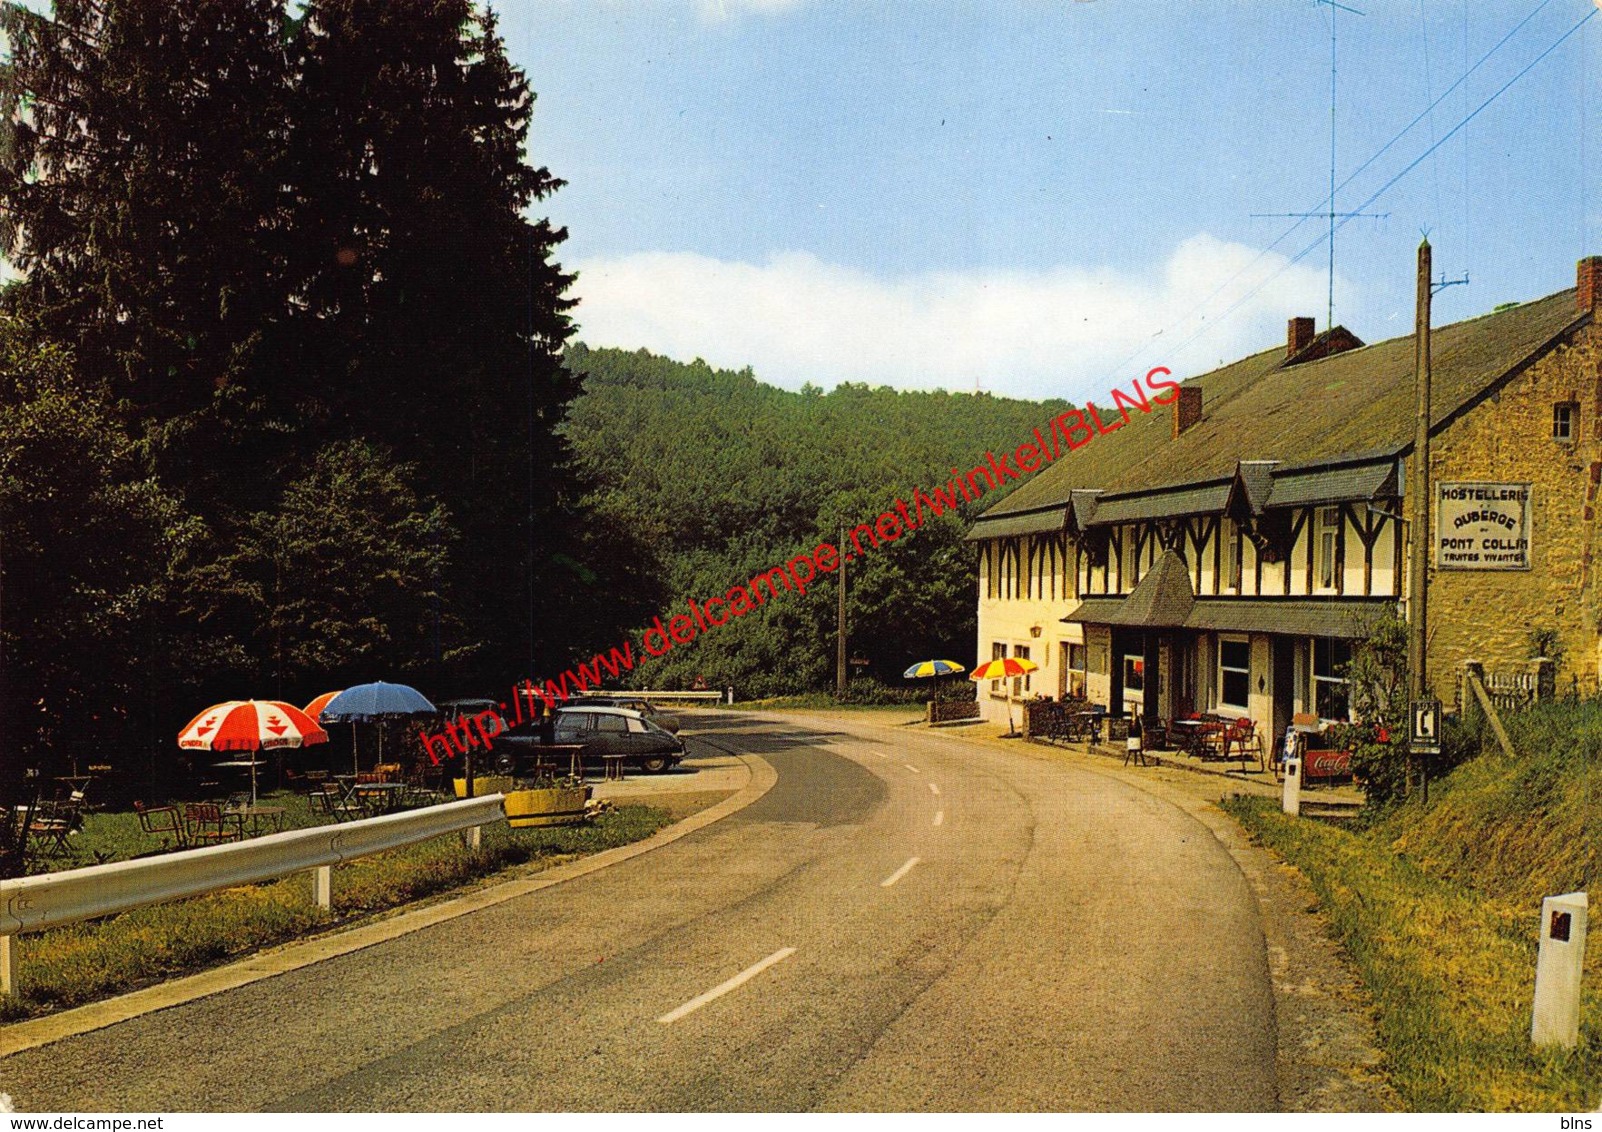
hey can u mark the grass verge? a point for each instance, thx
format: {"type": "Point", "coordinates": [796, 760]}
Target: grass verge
{"type": "Point", "coordinates": [1451, 970]}
{"type": "Point", "coordinates": [79, 963]}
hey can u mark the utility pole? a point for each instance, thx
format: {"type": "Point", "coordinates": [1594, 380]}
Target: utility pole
{"type": "Point", "coordinates": [1419, 488]}
{"type": "Point", "coordinates": [840, 652]}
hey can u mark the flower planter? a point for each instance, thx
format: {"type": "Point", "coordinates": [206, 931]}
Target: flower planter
{"type": "Point", "coordinates": [486, 784]}
{"type": "Point", "coordinates": [557, 805]}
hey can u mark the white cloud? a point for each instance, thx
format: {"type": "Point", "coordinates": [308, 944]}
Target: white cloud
{"type": "Point", "coordinates": [1066, 332]}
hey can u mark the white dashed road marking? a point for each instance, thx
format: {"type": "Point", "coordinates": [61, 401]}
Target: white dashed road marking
{"type": "Point", "coordinates": [935, 790]}
{"type": "Point", "coordinates": [912, 768]}
{"type": "Point", "coordinates": [722, 989]}
{"type": "Point", "coordinates": [899, 873]}
{"type": "Point", "coordinates": [940, 817]}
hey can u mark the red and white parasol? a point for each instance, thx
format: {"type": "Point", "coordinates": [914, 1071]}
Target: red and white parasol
{"type": "Point", "coordinates": [251, 725]}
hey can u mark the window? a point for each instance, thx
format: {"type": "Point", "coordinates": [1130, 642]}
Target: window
{"type": "Point", "coordinates": [1074, 670]}
{"type": "Point", "coordinates": [1331, 693]}
{"type": "Point", "coordinates": [1231, 556]}
{"type": "Point", "coordinates": [1234, 673]}
{"type": "Point", "coordinates": [611, 723]}
{"type": "Point", "coordinates": [1565, 419]}
{"type": "Point", "coordinates": [1134, 683]}
{"type": "Point", "coordinates": [997, 651]}
{"type": "Point", "coordinates": [637, 727]}
{"type": "Point", "coordinates": [1129, 572]}
{"type": "Point", "coordinates": [571, 725]}
{"type": "Point", "coordinates": [1020, 684]}
{"type": "Point", "coordinates": [1329, 526]}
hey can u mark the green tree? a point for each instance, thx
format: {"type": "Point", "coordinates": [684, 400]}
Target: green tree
{"type": "Point", "coordinates": [433, 299]}
{"type": "Point", "coordinates": [142, 168]}
{"type": "Point", "coordinates": [88, 543]}
{"type": "Point", "coordinates": [1378, 682]}
{"type": "Point", "coordinates": [350, 568]}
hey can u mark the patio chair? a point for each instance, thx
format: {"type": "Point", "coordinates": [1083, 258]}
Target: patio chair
{"type": "Point", "coordinates": [336, 803]}
{"type": "Point", "coordinates": [205, 823]}
{"type": "Point", "coordinates": [161, 821]}
{"type": "Point", "coordinates": [1243, 737]}
{"type": "Point", "coordinates": [53, 821]}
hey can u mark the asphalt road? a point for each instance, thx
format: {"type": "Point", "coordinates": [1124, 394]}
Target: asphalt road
{"type": "Point", "coordinates": [904, 922]}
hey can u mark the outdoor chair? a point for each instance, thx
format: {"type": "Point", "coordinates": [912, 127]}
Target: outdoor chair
{"type": "Point", "coordinates": [162, 821]}
{"type": "Point", "coordinates": [53, 821]}
{"type": "Point", "coordinates": [387, 772]}
{"type": "Point", "coordinates": [1243, 737]}
{"type": "Point", "coordinates": [205, 823]}
{"type": "Point", "coordinates": [336, 803]}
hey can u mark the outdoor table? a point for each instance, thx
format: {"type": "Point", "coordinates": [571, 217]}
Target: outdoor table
{"type": "Point", "coordinates": [379, 796]}
{"type": "Point", "coordinates": [614, 766]}
{"type": "Point", "coordinates": [1191, 733]}
{"type": "Point", "coordinates": [274, 816]}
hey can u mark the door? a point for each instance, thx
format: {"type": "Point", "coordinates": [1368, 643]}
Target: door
{"type": "Point", "coordinates": [1283, 661]}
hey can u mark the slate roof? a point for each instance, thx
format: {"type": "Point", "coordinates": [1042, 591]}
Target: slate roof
{"type": "Point", "coordinates": [1258, 408]}
{"type": "Point", "coordinates": [1161, 600]}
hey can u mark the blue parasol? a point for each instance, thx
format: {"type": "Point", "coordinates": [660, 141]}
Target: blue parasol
{"type": "Point", "coordinates": [374, 703]}
{"type": "Point", "coordinates": [369, 703]}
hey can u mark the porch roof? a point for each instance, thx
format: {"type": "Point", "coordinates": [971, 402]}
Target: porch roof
{"type": "Point", "coordinates": [1300, 617]}
{"type": "Point", "coordinates": [1047, 521]}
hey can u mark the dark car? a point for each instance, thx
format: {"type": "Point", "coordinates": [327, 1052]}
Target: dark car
{"type": "Point", "coordinates": [667, 721]}
{"type": "Point", "coordinates": [598, 731]}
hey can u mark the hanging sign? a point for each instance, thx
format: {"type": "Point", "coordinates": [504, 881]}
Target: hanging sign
{"type": "Point", "coordinates": [1482, 526]}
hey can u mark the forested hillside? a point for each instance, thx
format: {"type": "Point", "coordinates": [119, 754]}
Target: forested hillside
{"type": "Point", "coordinates": [722, 476]}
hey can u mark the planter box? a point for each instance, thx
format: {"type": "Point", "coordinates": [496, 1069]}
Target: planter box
{"type": "Point", "coordinates": [562, 805]}
{"type": "Point", "coordinates": [486, 784]}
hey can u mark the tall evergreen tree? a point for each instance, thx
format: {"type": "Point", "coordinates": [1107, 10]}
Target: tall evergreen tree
{"type": "Point", "coordinates": [142, 162]}
{"type": "Point", "coordinates": [439, 312]}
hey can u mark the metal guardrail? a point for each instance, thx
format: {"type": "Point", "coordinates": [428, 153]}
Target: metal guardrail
{"type": "Point", "coordinates": [51, 899]}
{"type": "Point", "coordinates": [718, 697]}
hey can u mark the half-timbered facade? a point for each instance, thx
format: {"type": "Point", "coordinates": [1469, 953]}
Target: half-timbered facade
{"type": "Point", "coordinates": [1226, 558]}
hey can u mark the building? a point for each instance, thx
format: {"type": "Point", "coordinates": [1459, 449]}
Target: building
{"type": "Point", "coordinates": [1222, 553]}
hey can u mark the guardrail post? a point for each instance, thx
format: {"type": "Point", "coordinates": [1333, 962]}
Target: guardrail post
{"type": "Point", "coordinates": [323, 887]}
{"type": "Point", "coordinates": [731, 695]}
{"type": "Point", "coordinates": [475, 837]}
{"type": "Point", "coordinates": [8, 966]}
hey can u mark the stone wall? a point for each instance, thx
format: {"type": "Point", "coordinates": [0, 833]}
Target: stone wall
{"type": "Point", "coordinates": [1487, 615]}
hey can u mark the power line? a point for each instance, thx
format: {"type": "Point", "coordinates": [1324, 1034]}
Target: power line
{"type": "Point", "coordinates": [1387, 185]}
{"type": "Point", "coordinates": [1326, 202]}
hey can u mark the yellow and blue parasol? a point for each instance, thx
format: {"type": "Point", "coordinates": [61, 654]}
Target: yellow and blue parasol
{"type": "Point", "coordinates": [933, 668]}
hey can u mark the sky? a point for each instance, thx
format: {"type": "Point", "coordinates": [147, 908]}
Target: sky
{"type": "Point", "coordinates": [1049, 197]}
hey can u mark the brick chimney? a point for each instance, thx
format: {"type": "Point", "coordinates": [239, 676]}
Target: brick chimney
{"type": "Point", "coordinates": [1188, 409]}
{"type": "Point", "coordinates": [1298, 336]}
{"type": "Point", "coordinates": [1588, 278]}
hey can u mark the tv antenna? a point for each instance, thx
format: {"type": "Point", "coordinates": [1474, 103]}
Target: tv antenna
{"type": "Point", "coordinates": [1330, 214]}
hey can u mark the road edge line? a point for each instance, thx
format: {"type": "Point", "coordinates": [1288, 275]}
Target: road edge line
{"type": "Point", "coordinates": [19, 1037]}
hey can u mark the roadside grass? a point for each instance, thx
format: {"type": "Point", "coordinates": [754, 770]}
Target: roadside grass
{"type": "Point", "coordinates": [1451, 967]}
{"type": "Point", "coordinates": [107, 837]}
{"type": "Point", "coordinates": [79, 963]}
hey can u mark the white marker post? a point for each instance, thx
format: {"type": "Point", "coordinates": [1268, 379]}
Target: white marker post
{"type": "Point", "coordinates": [1291, 799]}
{"type": "Point", "coordinates": [1557, 971]}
